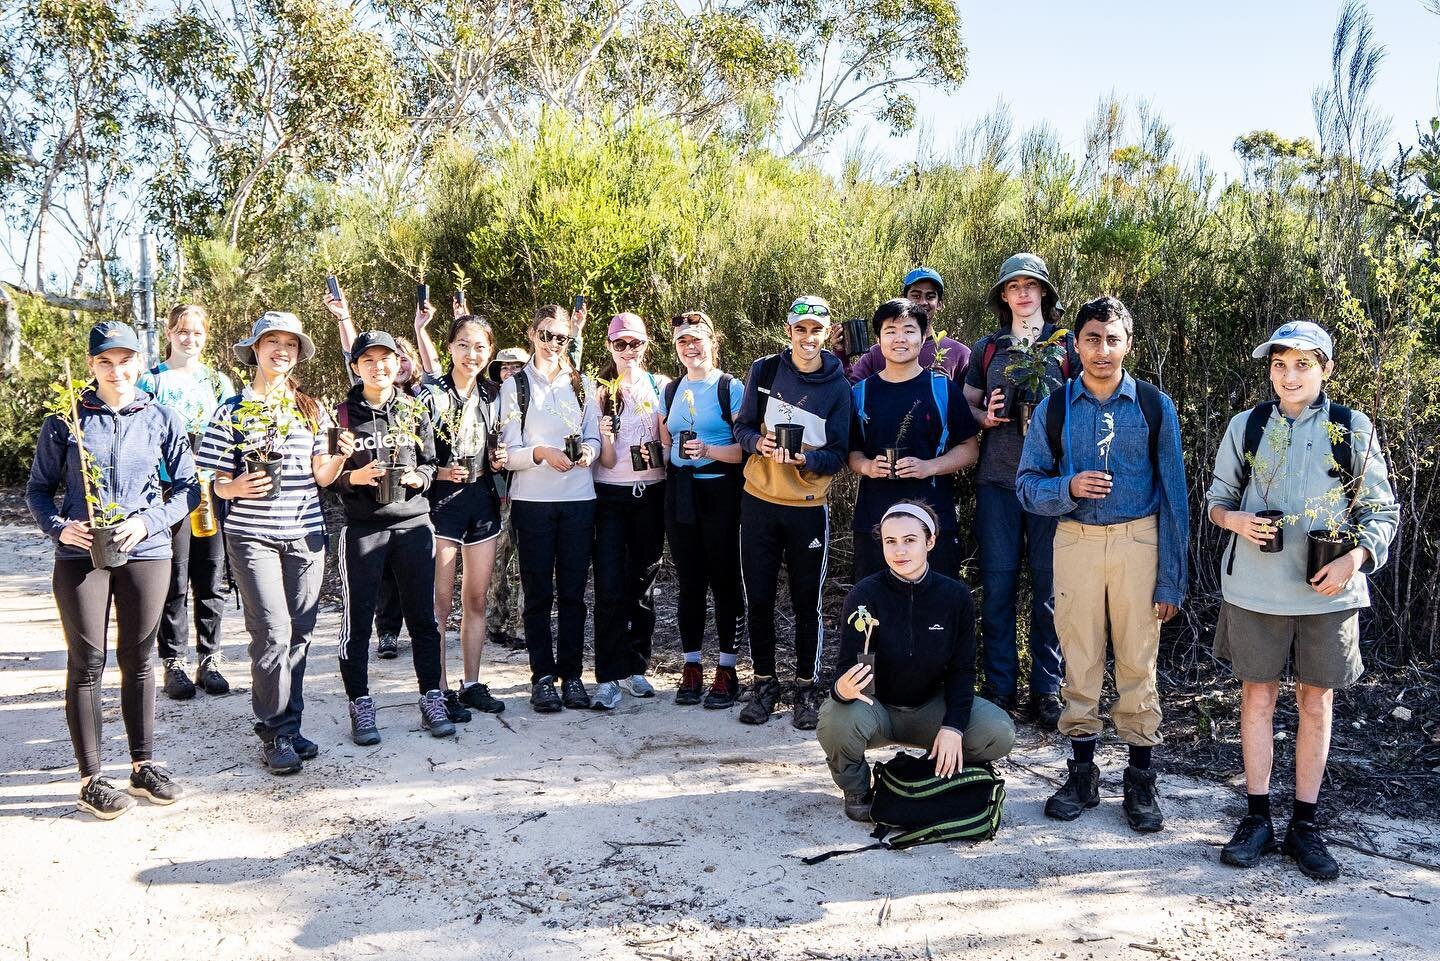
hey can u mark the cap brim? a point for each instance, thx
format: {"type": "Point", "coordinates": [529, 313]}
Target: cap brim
{"type": "Point", "coordinates": [693, 330]}
{"type": "Point", "coordinates": [1263, 351]}
{"type": "Point", "coordinates": [125, 344]}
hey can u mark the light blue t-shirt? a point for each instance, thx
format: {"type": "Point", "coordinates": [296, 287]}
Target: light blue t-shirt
{"type": "Point", "coordinates": [194, 396]}
{"type": "Point", "coordinates": [709, 425]}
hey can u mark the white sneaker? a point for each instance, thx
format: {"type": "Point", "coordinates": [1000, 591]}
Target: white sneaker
{"type": "Point", "coordinates": [636, 686]}
{"type": "Point", "coordinates": [606, 696]}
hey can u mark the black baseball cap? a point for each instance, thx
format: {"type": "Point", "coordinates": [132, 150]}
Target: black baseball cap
{"type": "Point", "coordinates": [372, 338]}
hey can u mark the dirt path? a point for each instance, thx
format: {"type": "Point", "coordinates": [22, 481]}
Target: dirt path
{"type": "Point", "coordinates": [654, 832]}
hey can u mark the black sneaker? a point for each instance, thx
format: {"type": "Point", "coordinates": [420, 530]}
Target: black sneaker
{"type": "Point", "coordinates": [857, 806]}
{"type": "Point", "coordinates": [208, 677]}
{"type": "Point", "coordinates": [1045, 710]}
{"type": "Point", "coordinates": [454, 710]}
{"type": "Point", "coordinates": [1142, 806]}
{"type": "Point", "coordinates": [306, 748]}
{"type": "Point", "coordinates": [363, 730]}
{"type": "Point", "coordinates": [153, 784]}
{"type": "Point", "coordinates": [280, 757]}
{"type": "Point", "coordinates": [1080, 791]}
{"type": "Point", "coordinates": [433, 715]}
{"type": "Point", "coordinates": [724, 689]}
{"type": "Point", "coordinates": [573, 693]}
{"type": "Point", "coordinates": [1254, 838]}
{"type": "Point", "coordinates": [692, 684]}
{"type": "Point", "coordinates": [178, 686]}
{"type": "Point", "coordinates": [101, 799]}
{"type": "Point", "coordinates": [544, 698]}
{"type": "Point", "coordinates": [479, 697]}
{"type": "Point", "coordinates": [1304, 844]}
{"type": "Point", "coordinates": [806, 712]}
{"type": "Point", "coordinates": [389, 647]}
{"type": "Point", "coordinates": [763, 698]}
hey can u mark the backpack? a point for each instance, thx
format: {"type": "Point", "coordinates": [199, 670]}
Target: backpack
{"type": "Point", "coordinates": [992, 345]}
{"type": "Point", "coordinates": [1340, 451]}
{"type": "Point", "coordinates": [925, 809]}
{"type": "Point", "coordinates": [722, 393]}
{"type": "Point", "coordinates": [1145, 392]}
{"type": "Point", "coordinates": [939, 389]}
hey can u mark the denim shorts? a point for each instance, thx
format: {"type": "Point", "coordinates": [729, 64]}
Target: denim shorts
{"type": "Point", "coordinates": [1324, 648]}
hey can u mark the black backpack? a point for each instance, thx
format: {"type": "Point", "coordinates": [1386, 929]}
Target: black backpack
{"type": "Point", "coordinates": [921, 808]}
{"type": "Point", "coordinates": [1145, 392]}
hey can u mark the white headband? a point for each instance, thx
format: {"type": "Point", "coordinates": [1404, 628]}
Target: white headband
{"type": "Point", "coordinates": [910, 510]}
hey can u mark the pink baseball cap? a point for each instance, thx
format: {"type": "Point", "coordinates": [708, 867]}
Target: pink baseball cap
{"type": "Point", "coordinates": [627, 324]}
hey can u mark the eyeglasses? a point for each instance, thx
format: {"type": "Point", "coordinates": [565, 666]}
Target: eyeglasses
{"type": "Point", "coordinates": [552, 337]}
{"type": "Point", "coordinates": [624, 345]}
{"type": "Point", "coordinates": [815, 310]}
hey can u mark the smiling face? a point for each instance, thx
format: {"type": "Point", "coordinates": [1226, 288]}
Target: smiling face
{"type": "Point", "coordinates": [806, 338]}
{"type": "Point", "coordinates": [627, 351]}
{"type": "Point", "coordinates": [927, 294]}
{"type": "Point", "coordinates": [470, 351]}
{"type": "Point", "coordinates": [115, 370]}
{"type": "Point", "coordinates": [549, 338]}
{"type": "Point", "coordinates": [377, 368]}
{"type": "Point", "coordinates": [696, 353]}
{"type": "Point", "coordinates": [1298, 376]}
{"type": "Point", "coordinates": [1024, 296]}
{"type": "Point", "coordinates": [1103, 346]}
{"type": "Point", "coordinates": [900, 340]}
{"type": "Point", "coordinates": [186, 337]}
{"type": "Point", "coordinates": [906, 545]}
{"type": "Point", "coordinates": [277, 353]}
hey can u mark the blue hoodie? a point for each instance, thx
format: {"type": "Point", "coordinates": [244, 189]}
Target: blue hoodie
{"type": "Point", "coordinates": [820, 400]}
{"type": "Point", "coordinates": [129, 445]}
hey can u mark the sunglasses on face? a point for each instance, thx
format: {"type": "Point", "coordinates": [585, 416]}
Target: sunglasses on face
{"type": "Point", "coordinates": [814, 310]}
{"type": "Point", "coordinates": [552, 337]}
{"type": "Point", "coordinates": [624, 345]}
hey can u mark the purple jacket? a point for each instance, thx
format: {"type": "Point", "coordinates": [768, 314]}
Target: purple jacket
{"type": "Point", "coordinates": [957, 358]}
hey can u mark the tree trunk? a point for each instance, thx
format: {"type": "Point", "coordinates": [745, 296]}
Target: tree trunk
{"type": "Point", "coordinates": [9, 336]}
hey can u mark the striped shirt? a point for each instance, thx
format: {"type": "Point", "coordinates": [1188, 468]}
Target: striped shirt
{"type": "Point", "coordinates": [295, 513]}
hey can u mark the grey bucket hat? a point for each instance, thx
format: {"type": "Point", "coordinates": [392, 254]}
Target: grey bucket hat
{"type": "Point", "coordinates": [1022, 265]}
{"type": "Point", "coordinates": [273, 320]}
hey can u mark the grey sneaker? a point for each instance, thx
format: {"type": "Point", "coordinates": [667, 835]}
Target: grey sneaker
{"type": "Point", "coordinates": [362, 721]}
{"type": "Point", "coordinates": [606, 696]}
{"type": "Point", "coordinates": [101, 799]}
{"type": "Point", "coordinates": [280, 757]}
{"type": "Point", "coordinates": [153, 784]}
{"type": "Point", "coordinates": [636, 686]}
{"type": "Point", "coordinates": [433, 715]}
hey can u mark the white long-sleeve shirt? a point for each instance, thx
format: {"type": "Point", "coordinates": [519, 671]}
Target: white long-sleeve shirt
{"type": "Point", "coordinates": [553, 414]}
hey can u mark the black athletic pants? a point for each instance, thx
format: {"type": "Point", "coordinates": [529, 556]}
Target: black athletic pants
{"type": "Point", "coordinates": [196, 564]}
{"type": "Point", "coordinates": [629, 539]}
{"type": "Point", "coordinates": [84, 596]}
{"type": "Point", "coordinates": [798, 538]}
{"type": "Point", "coordinates": [410, 554]}
{"type": "Point", "coordinates": [389, 614]}
{"type": "Point", "coordinates": [554, 540]}
{"type": "Point", "coordinates": [706, 553]}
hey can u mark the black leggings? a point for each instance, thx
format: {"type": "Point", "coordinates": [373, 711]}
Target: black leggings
{"type": "Point", "coordinates": [706, 552]}
{"type": "Point", "coordinates": [83, 596]}
{"type": "Point", "coordinates": [365, 557]}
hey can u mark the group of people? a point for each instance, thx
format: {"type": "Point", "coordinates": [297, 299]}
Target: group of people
{"type": "Point", "coordinates": [1080, 481]}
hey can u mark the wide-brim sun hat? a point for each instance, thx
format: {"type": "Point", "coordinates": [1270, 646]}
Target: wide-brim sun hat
{"type": "Point", "coordinates": [1022, 265]}
{"type": "Point", "coordinates": [1301, 335]}
{"type": "Point", "coordinates": [270, 321]}
{"type": "Point", "coordinates": [510, 355]}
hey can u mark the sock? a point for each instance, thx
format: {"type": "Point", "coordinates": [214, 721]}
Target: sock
{"type": "Point", "coordinates": [1140, 757]}
{"type": "Point", "coordinates": [1084, 750]}
{"type": "Point", "coordinates": [1305, 810]}
{"type": "Point", "coordinates": [1259, 805]}
{"type": "Point", "coordinates": [466, 685]}
{"type": "Point", "coordinates": [693, 657]}
{"type": "Point", "coordinates": [726, 660]}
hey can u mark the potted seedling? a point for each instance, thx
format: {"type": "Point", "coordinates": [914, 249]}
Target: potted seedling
{"type": "Point", "coordinates": [654, 451]}
{"type": "Point", "coordinates": [1027, 374]}
{"type": "Point", "coordinates": [1266, 471]}
{"type": "Point", "coordinates": [892, 454]}
{"type": "Point", "coordinates": [686, 436]}
{"type": "Point", "coordinates": [789, 435]}
{"type": "Point", "coordinates": [571, 418]}
{"type": "Point", "coordinates": [1105, 442]}
{"type": "Point", "coordinates": [405, 416]}
{"type": "Point", "coordinates": [103, 516]}
{"type": "Point", "coordinates": [451, 427]}
{"type": "Point", "coordinates": [264, 425]}
{"type": "Point", "coordinates": [865, 622]}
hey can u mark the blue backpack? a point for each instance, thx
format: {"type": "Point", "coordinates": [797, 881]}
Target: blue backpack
{"type": "Point", "coordinates": [939, 389]}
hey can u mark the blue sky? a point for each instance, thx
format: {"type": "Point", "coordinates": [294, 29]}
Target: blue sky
{"type": "Point", "coordinates": [1212, 70]}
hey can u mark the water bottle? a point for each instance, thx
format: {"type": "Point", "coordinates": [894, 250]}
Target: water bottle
{"type": "Point", "coordinates": [202, 518]}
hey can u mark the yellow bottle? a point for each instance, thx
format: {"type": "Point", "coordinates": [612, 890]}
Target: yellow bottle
{"type": "Point", "coordinates": [202, 518]}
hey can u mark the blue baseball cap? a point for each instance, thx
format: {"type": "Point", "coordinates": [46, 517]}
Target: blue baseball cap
{"type": "Point", "coordinates": [113, 334]}
{"type": "Point", "coordinates": [372, 338]}
{"type": "Point", "coordinates": [1301, 335]}
{"type": "Point", "coordinates": [924, 273]}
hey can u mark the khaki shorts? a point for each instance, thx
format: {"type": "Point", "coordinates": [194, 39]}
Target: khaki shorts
{"type": "Point", "coordinates": [1325, 647]}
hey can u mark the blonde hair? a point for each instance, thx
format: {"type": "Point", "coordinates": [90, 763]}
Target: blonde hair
{"type": "Point", "coordinates": [183, 312]}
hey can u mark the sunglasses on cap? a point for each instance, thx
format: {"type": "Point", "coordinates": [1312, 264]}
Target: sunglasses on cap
{"type": "Point", "coordinates": [815, 310]}
{"type": "Point", "coordinates": [552, 337]}
{"type": "Point", "coordinates": [693, 317]}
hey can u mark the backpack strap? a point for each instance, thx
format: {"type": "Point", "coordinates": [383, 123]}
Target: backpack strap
{"type": "Point", "coordinates": [1340, 446]}
{"type": "Point", "coordinates": [769, 370]}
{"type": "Point", "coordinates": [1149, 397]}
{"type": "Point", "coordinates": [671, 389]}
{"type": "Point", "coordinates": [989, 355]}
{"type": "Point", "coordinates": [1255, 423]}
{"type": "Point", "coordinates": [940, 390]}
{"type": "Point", "coordinates": [1055, 425]}
{"type": "Point", "coordinates": [722, 394]}
{"type": "Point", "coordinates": [522, 397]}
{"type": "Point", "coordinates": [857, 400]}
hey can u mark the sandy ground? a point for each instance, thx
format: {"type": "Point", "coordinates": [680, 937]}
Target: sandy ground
{"type": "Point", "coordinates": [518, 839]}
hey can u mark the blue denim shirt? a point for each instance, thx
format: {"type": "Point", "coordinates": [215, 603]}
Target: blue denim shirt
{"type": "Point", "coordinates": [1044, 486]}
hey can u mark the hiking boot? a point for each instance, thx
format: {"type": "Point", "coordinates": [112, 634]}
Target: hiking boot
{"type": "Point", "coordinates": [692, 684]}
{"type": "Point", "coordinates": [857, 806]}
{"type": "Point", "coordinates": [806, 711]}
{"type": "Point", "coordinates": [1045, 710]}
{"type": "Point", "coordinates": [1005, 702]}
{"type": "Point", "coordinates": [1304, 844]}
{"type": "Point", "coordinates": [544, 698]}
{"type": "Point", "coordinates": [280, 757]}
{"type": "Point", "coordinates": [433, 716]}
{"type": "Point", "coordinates": [178, 686]}
{"type": "Point", "coordinates": [479, 697]}
{"type": "Point", "coordinates": [573, 693]}
{"type": "Point", "coordinates": [389, 647]}
{"type": "Point", "coordinates": [208, 677]}
{"type": "Point", "coordinates": [1142, 807]}
{"type": "Point", "coordinates": [607, 696]}
{"type": "Point", "coordinates": [724, 689]}
{"type": "Point", "coordinates": [152, 783]}
{"type": "Point", "coordinates": [362, 721]}
{"type": "Point", "coordinates": [456, 711]}
{"type": "Point", "coordinates": [1080, 791]}
{"type": "Point", "coordinates": [101, 799]}
{"type": "Point", "coordinates": [1254, 838]}
{"type": "Point", "coordinates": [636, 686]}
{"type": "Point", "coordinates": [763, 697]}
{"type": "Point", "coordinates": [306, 748]}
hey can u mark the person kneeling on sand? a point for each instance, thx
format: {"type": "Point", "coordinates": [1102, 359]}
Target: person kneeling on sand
{"type": "Point", "coordinates": [917, 628]}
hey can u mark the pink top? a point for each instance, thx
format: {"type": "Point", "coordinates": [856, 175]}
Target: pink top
{"type": "Point", "coordinates": [639, 422]}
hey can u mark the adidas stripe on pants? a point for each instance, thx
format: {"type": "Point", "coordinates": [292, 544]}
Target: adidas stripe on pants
{"type": "Point", "coordinates": [798, 538]}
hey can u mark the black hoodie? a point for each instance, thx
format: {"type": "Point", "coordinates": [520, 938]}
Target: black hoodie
{"type": "Point", "coordinates": [377, 437]}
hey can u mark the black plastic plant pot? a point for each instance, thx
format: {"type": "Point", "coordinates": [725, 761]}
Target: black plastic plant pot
{"type": "Point", "coordinates": [471, 465]}
{"type": "Point", "coordinates": [194, 437]}
{"type": "Point", "coordinates": [422, 294]}
{"type": "Point", "coordinates": [869, 661]}
{"type": "Point", "coordinates": [332, 440]}
{"type": "Point", "coordinates": [388, 489]}
{"type": "Point", "coordinates": [269, 464]}
{"type": "Point", "coordinates": [1276, 544]}
{"type": "Point", "coordinates": [104, 552]}
{"type": "Point", "coordinates": [1023, 410]}
{"type": "Point", "coordinates": [657, 453]}
{"type": "Point", "coordinates": [572, 447]}
{"type": "Point", "coordinates": [1009, 397]}
{"type": "Point", "coordinates": [404, 457]}
{"type": "Point", "coordinates": [857, 336]}
{"type": "Point", "coordinates": [686, 436]}
{"type": "Point", "coordinates": [1321, 548]}
{"type": "Point", "coordinates": [637, 458]}
{"type": "Point", "coordinates": [790, 437]}
{"type": "Point", "coordinates": [892, 454]}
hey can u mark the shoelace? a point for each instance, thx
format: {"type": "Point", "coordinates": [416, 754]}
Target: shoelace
{"type": "Point", "coordinates": [365, 713]}
{"type": "Point", "coordinates": [434, 707]}
{"type": "Point", "coordinates": [153, 776]}
{"type": "Point", "coordinates": [723, 683]}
